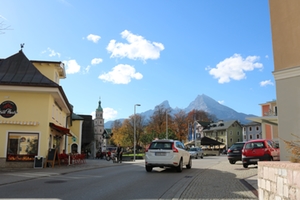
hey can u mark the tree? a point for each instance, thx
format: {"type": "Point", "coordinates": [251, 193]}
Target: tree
{"type": "Point", "coordinates": [124, 134]}
{"type": "Point", "coordinates": [181, 125]}
{"type": "Point", "coordinates": [117, 136]}
{"type": "Point", "coordinates": [157, 122]}
{"type": "Point", "coordinates": [3, 27]}
{"type": "Point", "coordinates": [200, 115]}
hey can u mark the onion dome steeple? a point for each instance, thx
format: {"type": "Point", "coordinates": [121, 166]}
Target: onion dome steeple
{"type": "Point", "coordinates": [99, 106]}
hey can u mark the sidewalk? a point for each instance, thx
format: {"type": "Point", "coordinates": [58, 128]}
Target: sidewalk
{"type": "Point", "coordinates": [26, 173]}
{"type": "Point", "coordinates": [244, 181]}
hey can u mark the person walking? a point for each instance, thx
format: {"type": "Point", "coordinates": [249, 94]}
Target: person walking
{"type": "Point", "coordinates": [119, 152]}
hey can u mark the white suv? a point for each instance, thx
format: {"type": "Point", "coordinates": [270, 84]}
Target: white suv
{"type": "Point", "coordinates": [167, 153]}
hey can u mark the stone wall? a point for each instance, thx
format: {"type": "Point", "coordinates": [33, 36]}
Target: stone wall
{"type": "Point", "coordinates": [12, 164]}
{"type": "Point", "coordinates": [278, 180]}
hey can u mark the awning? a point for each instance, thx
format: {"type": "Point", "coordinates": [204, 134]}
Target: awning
{"type": "Point", "coordinates": [206, 141]}
{"type": "Point", "coordinates": [60, 129]}
{"type": "Point", "coordinates": [272, 120]}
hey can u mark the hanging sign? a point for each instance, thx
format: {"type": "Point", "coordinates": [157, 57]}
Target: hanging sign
{"type": "Point", "coordinates": [8, 109]}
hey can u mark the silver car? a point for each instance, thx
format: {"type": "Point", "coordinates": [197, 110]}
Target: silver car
{"type": "Point", "coordinates": [196, 152]}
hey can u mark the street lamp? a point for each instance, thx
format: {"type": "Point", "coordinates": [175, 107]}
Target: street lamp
{"type": "Point", "coordinates": [134, 132]}
{"type": "Point", "coordinates": [166, 124]}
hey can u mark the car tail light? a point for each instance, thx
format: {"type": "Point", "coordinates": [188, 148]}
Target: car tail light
{"type": "Point", "coordinates": [175, 150]}
{"type": "Point", "coordinates": [229, 150]}
{"type": "Point", "coordinates": [147, 148]}
{"type": "Point", "coordinates": [267, 151]}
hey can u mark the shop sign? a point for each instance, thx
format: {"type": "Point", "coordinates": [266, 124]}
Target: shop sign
{"type": "Point", "coordinates": [8, 109]}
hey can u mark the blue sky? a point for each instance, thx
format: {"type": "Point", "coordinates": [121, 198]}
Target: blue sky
{"type": "Point", "coordinates": [145, 52]}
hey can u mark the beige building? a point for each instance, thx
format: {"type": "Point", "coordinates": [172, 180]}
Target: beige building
{"type": "Point", "coordinates": [35, 114]}
{"type": "Point", "coordinates": [268, 121]}
{"type": "Point", "coordinates": [285, 24]}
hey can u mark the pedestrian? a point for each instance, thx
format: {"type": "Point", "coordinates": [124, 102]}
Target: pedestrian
{"type": "Point", "coordinates": [119, 152]}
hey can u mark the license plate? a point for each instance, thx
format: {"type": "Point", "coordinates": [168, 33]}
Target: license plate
{"type": "Point", "coordinates": [235, 151]}
{"type": "Point", "coordinates": [254, 160]}
{"type": "Point", "coordinates": [160, 153]}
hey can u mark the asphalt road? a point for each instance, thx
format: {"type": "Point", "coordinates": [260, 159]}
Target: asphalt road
{"type": "Point", "coordinates": [127, 181]}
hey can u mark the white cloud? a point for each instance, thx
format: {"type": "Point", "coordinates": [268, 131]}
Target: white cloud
{"type": "Point", "coordinates": [234, 68]}
{"type": "Point", "coordinates": [72, 67]}
{"type": "Point", "coordinates": [93, 38]}
{"type": "Point", "coordinates": [121, 74]}
{"type": "Point", "coordinates": [96, 61]}
{"type": "Point", "coordinates": [221, 102]}
{"type": "Point", "coordinates": [51, 52]}
{"type": "Point", "coordinates": [266, 82]}
{"type": "Point", "coordinates": [108, 114]}
{"type": "Point", "coordinates": [136, 48]}
{"type": "Point", "coordinates": [87, 69]}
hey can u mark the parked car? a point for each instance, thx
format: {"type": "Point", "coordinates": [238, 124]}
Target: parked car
{"type": "Point", "coordinates": [259, 150]}
{"type": "Point", "coordinates": [167, 153]}
{"type": "Point", "coordinates": [234, 153]}
{"type": "Point", "coordinates": [196, 152]}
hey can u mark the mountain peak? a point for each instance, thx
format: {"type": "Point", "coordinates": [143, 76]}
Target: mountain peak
{"type": "Point", "coordinates": [165, 104]}
{"type": "Point", "coordinates": [207, 104]}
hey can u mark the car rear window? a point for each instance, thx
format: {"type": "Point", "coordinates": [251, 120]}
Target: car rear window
{"type": "Point", "coordinates": [252, 145]}
{"type": "Point", "coordinates": [194, 149]}
{"type": "Point", "coordinates": [237, 146]}
{"type": "Point", "coordinates": [161, 145]}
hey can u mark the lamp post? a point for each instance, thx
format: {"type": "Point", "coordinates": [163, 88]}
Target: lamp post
{"type": "Point", "coordinates": [134, 131]}
{"type": "Point", "coordinates": [166, 124]}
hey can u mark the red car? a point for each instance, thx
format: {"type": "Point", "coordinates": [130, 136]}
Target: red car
{"type": "Point", "coordinates": [259, 150]}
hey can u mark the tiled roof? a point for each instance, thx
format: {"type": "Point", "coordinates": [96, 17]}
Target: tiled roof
{"type": "Point", "coordinates": [220, 125]}
{"type": "Point", "coordinates": [18, 70]}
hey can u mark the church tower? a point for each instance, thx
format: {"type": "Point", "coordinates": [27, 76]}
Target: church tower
{"type": "Point", "coordinates": [99, 128]}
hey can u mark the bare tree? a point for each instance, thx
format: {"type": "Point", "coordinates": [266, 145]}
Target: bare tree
{"type": "Point", "coordinates": [3, 27]}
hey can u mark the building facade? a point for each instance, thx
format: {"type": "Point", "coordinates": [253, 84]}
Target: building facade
{"type": "Point", "coordinates": [100, 141]}
{"type": "Point", "coordinates": [227, 132]}
{"type": "Point", "coordinates": [285, 20]}
{"type": "Point", "coordinates": [252, 131]}
{"type": "Point", "coordinates": [35, 114]}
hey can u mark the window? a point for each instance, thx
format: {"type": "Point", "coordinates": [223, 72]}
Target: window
{"type": "Point", "coordinates": [230, 139]}
{"type": "Point", "coordinates": [257, 136]}
{"type": "Point", "coordinates": [22, 146]}
{"type": "Point", "coordinates": [257, 128]}
{"type": "Point", "coordinates": [238, 133]}
{"type": "Point", "coordinates": [230, 132]}
{"type": "Point", "coordinates": [245, 137]}
{"type": "Point", "coordinates": [250, 136]}
{"type": "Point", "coordinates": [250, 128]}
{"type": "Point", "coordinates": [238, 140]}
{"type": "Point", "coordinates": [161, 145]}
